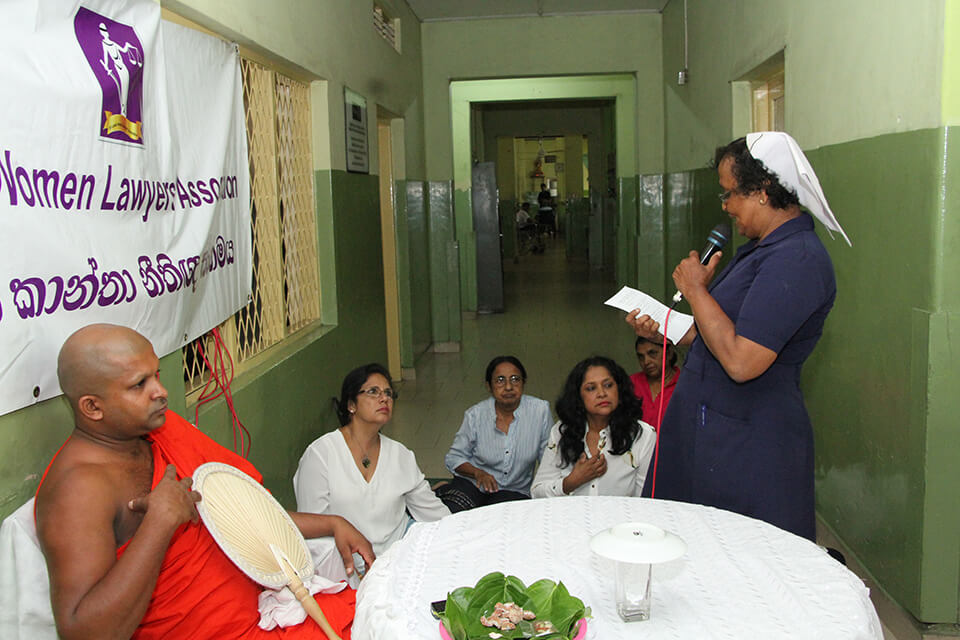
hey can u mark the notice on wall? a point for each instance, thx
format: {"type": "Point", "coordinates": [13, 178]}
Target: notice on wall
{"type": "Point", "coordinates": [124, 183]}
{"type": "Point", "coordinates": [355, 124]}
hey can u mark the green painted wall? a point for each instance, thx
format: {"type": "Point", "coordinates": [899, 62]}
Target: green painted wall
{"type": "Point", "coordinates": [854, 69]}
{"type": "Point", "coordinates": [28, 439]}
{"type": "Point", "coordinates": [418, 243]}
{"type": "Point", "coordinates": [444, 263]}
{"type": "Point", "coordinates": [886, 465]}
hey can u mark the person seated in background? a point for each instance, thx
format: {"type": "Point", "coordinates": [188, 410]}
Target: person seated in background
{"type": "Point", "coordinates": [499, 442]}
{"type": "Point", "coordinates": [599, 446]}
{"type": "Point", "coordinates": [362, 475]}
{"type": "Point", "coordinates": [523, 217]}
{"type": "Point", "coordinates": [528, 232]}
{"type": "Point", "coordinates": [646, 382]}
{"type": "Point", "coordinates": [117, 520]}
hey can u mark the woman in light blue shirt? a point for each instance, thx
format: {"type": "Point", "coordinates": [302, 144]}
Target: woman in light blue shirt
{"type": "Point", "coordinates": [498, 444]}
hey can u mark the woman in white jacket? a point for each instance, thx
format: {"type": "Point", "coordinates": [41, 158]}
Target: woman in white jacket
{"type": "Point", "coordinates": [600, 445]}
{"type": "Point", "coordinates": [358, 473]}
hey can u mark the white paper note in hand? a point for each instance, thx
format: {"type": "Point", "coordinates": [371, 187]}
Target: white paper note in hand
{"type": "Point", "coordinates": [629, 299]}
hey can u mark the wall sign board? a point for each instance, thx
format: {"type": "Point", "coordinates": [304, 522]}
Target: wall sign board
{"type": "Point", "coordinates": [355, 125]}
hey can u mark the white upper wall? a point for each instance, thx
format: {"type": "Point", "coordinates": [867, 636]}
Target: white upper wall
{"type": "Point", "coordinates": [853, 69]}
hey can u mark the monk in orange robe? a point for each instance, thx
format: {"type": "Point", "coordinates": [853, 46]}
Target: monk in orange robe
{"type": "Point", "coordinates": [116, 515]}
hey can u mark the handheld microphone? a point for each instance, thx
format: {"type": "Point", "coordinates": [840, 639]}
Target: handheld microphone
{"type": "Point", "coordinates": [716, 241]}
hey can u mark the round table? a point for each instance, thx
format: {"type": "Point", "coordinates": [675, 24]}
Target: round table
{"type": "Point", "coordinates": [740, 578]}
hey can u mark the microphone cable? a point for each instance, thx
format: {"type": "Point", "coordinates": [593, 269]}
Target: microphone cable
{"type": "Point", "coordinates": [663, 378]}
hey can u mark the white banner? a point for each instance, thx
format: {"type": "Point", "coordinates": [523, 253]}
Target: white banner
{"type": "Point", "coordinates": [124, 184]}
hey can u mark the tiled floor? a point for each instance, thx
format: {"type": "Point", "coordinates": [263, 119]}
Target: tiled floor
{"type": "Point", "coordinates": [554, 317]}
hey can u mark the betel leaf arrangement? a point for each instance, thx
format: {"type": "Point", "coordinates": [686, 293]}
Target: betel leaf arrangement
{"type": "Point", "coordinates": [556, 611]}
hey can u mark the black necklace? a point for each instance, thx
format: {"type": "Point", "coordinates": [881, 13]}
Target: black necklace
{"type": "Point", "coordinates": [365, 459]}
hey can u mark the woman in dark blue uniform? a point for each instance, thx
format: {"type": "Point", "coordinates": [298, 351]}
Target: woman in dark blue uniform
{"type": "Point", "coordinates": [736, 434]}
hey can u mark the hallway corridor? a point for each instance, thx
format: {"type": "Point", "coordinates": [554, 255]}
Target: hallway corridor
{"type": "Point", "coordinates": [554, 317]}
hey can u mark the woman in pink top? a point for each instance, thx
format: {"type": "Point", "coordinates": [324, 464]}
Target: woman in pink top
{"type": "Point", "coordinates": [646, 382]}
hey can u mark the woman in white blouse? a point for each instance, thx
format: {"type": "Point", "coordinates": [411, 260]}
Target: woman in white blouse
{"type": "Point", "coordinates": [358, 473]}
{"type": "Point", "coordinates": [600, 446]}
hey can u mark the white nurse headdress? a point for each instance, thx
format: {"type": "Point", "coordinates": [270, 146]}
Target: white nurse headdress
{"type": "Point", "coordinates": [782, 155]}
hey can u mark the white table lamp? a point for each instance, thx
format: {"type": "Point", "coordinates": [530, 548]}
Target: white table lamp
{"type": "Point", "coordinates": [635, 547]}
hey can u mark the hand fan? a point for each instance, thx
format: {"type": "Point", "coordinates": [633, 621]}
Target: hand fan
{"type": "Point", "coordinates": [256, 533]}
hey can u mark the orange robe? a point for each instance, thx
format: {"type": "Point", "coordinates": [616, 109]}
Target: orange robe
{"type": "Point", "coordinates": [200, 593]}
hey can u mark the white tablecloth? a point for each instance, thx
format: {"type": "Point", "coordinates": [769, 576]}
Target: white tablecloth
{"type": "Point", "coordinates": [740, 578]}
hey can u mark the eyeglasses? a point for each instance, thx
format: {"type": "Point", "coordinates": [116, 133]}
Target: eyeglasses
{"type": "Point", "coordinates": [501, 381]}
{"type": "Point", "coordinates": [376, 392]}
{"type": "Point", "coordinates": [725, 195]}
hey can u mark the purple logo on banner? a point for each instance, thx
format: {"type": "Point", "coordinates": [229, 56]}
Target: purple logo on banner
{"type": "Point", "coordinates": [115, 54]}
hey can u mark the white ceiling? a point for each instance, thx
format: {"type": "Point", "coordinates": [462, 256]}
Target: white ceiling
{"type": "Point", "coordinates": [438, 10]}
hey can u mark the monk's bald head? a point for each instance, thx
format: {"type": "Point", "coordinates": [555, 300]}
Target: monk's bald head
{"type": "Point", "coordinates": [91, 356]}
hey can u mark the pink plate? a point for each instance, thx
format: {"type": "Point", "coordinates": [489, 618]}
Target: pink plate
{"type": "Point", "coordinates": [581, 631]}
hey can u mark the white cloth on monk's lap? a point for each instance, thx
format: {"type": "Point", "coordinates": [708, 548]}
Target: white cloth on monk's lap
{"type": "Point", "coordinates": [280, 608]}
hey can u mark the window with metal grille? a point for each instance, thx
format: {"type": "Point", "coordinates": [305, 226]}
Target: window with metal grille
{"type": "Point", "coordinates": [387, 27]}
{"type": "Point", "coordinates": [286, 283]}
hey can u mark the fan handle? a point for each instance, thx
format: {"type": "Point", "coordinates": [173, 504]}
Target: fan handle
{"type": "Point", "coordinates": [310, 605]}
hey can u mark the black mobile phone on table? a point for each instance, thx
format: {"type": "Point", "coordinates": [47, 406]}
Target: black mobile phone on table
{"type": "Point", "coordinates": [437, 608]}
